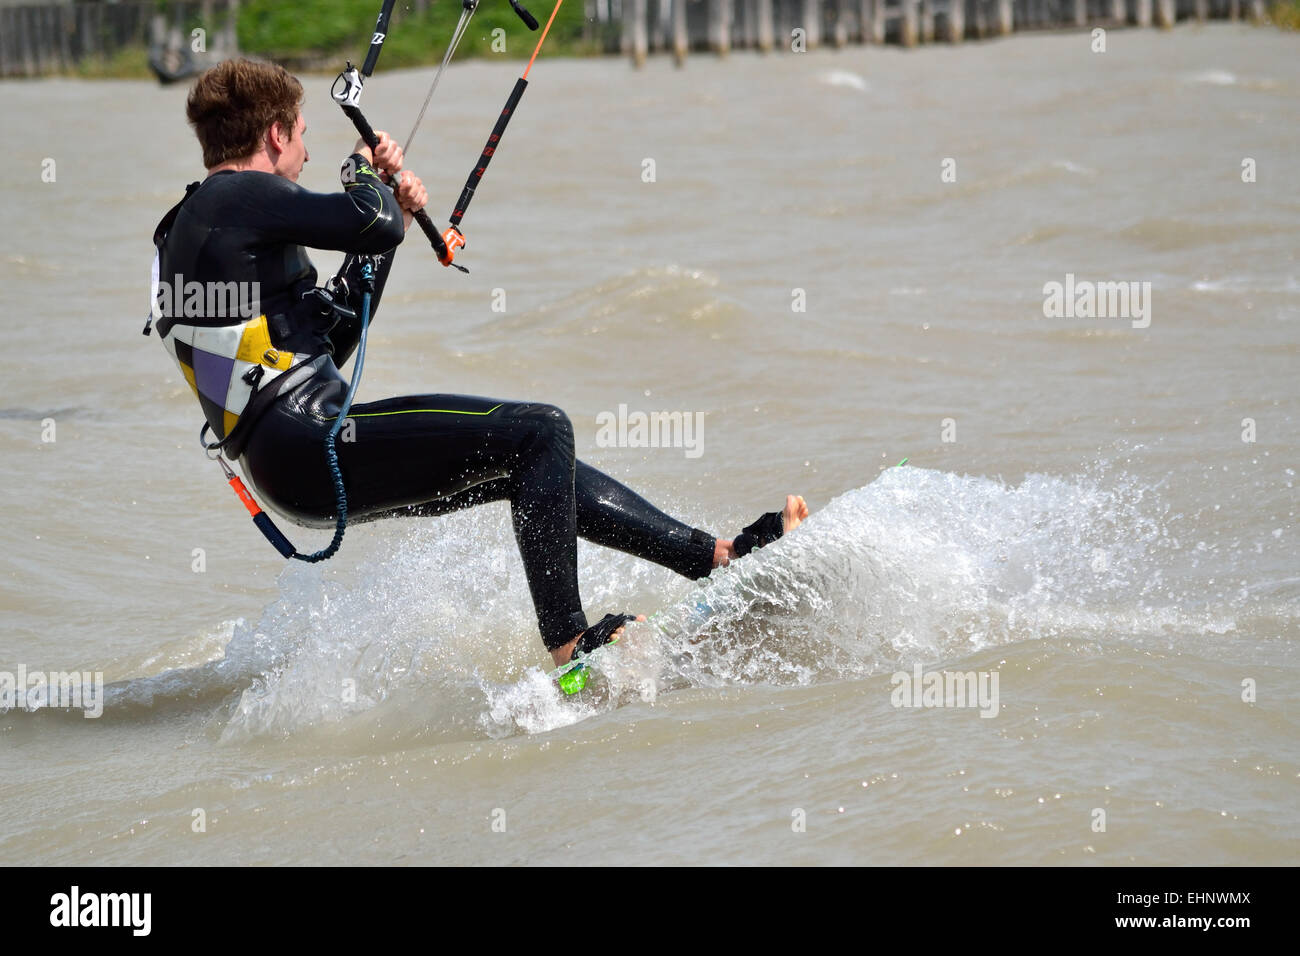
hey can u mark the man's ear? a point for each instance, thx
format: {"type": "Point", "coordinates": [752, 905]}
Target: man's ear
{"type": "Point", "coordinates": [277, 138]}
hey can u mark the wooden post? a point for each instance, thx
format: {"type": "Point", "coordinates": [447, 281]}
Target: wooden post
{"type": "Point", "coordinates": [65, 48]}
{"type": "Point", "coordinates": [720, 12]}
{"type": "Point", "coordinates": [635, 30]}
{"type": "Point", "coordinates": [1117, 11]}
{"type": "Point", "coordinates": [97, 32]}
{"type": "Point", "coordinates": [927, 21]}
{"type": "Point", "coordinates": [638, 38]}
{"type": "Point", "coordinates": [812, 23]}
{"type": "Point", "coordinates": [1006, 17]}
{"type": "Point", "coordinates": [1201, 10]}
{"type": "Point", "coordinates": [1080, 12]}
{"type": "Point", "coordinates": [766, 27]}
{"type": "Point", "coordinates": [1142, 12]}
{"type": "Point", "coordinates": [45, 40]}
{"type": "Point", "coordinates": [1234, 10]}
{"type": "Point", "coordinates": [956, 21]}
{"type": "Point", "coordinates": [652, 25]}
{"type": "Point", "coordinates": [49, 39]}
{"type": "Point", "coordinates": [45, 50]}
{"type": "Point", "coordinates": [38, 38]}
{"type": "Point", "coordinates": [681, 43]}
{"type": "Point", "coordinates": [1166, 13]}
{"type": "Point", "coordinates": [841, 21]}
{"type": "Point", "coordinates": [24, 34]}
{"type": "Point", "coordinates": [745, 16]}
{"type": "Point", "coordinates": [871, 13]}
{"type": "Point", "coordinates": [910, 25]}
{"type": "Point", "coordinates": [30, 40]}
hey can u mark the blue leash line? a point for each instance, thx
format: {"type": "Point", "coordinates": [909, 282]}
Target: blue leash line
{"type": "Point", "coordinates": [331, 452]}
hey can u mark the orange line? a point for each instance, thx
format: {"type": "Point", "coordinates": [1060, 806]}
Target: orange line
{"type": "Point", "coordinates": [543, 39]}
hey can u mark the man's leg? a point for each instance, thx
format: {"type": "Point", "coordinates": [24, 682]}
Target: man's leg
{"type": "Point", "coordinates": [609, 514]}
{"type": "Point", "coordinates": [406, 451]}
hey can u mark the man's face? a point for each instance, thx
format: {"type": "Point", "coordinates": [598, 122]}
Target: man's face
{"type": "Point", "coordinates": [293, 153]}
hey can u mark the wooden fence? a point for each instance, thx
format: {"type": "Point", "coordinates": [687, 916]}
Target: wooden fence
{"type": "Point", "coordinates": [641, 27]}
{"type": "Point", "coordinates": [57, 37]}
{"type": "Point", "coordinates": [40, 39]}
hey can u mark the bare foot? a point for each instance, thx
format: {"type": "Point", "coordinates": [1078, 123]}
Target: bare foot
{"type": "Point", "coordinates": [564, 653]}
{"type": "Point", "coordinates": [796, 510]}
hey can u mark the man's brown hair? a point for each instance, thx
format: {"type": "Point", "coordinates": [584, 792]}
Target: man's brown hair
{"type": "Point", "coordinates": [233, 104]}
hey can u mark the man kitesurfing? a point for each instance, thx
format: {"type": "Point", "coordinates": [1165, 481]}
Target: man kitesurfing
{"type": "Point", "coordinates": [274, 399]}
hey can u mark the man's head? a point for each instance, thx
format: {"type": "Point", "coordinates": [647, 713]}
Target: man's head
{"type": "Point", "coordinates": [243, 111]}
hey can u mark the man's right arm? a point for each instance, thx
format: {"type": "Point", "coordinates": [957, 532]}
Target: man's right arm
{"type": "Point", "coordinates": [365, 218]}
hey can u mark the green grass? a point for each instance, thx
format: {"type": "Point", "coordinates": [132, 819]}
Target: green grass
{"type": "Point", "coordinates": [127, 63]}
{"type": "Point", "coordinates": [316, 33]}
{"type": "Point", "coordinates": [1285, 13]}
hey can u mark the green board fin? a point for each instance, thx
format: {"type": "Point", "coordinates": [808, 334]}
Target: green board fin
{"type": "Point", "coordinates": [573, 676]}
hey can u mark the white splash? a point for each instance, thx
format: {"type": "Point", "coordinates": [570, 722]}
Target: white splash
{"type": "Point", "coordinates": [846, 79]}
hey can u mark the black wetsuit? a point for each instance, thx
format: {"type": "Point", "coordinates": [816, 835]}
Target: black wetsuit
{"type": "Point", "coordinates": [416, 455]}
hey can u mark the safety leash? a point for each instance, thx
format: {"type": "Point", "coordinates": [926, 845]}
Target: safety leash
{"type": "Point", "coordinates": [260, 517]}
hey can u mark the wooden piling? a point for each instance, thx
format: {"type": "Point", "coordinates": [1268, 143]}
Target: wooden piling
{"type": "Point", "coordinates": [680, 41]}
{"type": "Point", "coordinates": [1006, 17]}
{"type": "Point", "coordinates": [956, 21]}
{"type": "Point", "coordinates": [720, 16]}
{"type": "Point", "coordinates": [840, 17]}
{"type": "Point", "coordinates": [872, 15]}
{"type": "Point", "coordinates": [911, 22]}
{"type": "Point", "coordinates": [766, 27]}
{"type": "Point", "coordinates": [1166, 13]}
{"type": "Point", "coordinates": [25, 41]}
{"type": "Point", "coordinates": [634, 31]}
{"type": "Point", "coordinates": [812, 23]}
{"type": "Point", "coordinates": [748, 36]}
{"type": "Point", "coordinates": [44, 40]}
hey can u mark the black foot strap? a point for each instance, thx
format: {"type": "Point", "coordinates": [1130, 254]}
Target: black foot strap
{"type": "Point", "coordinates": [599, 633]}
{"type": "Point", "coordinates": [759, 534]}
